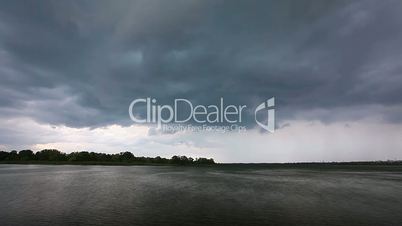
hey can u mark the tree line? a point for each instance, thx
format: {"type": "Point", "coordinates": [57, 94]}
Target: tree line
{"type": "Point", "coordinates": [53, 155]}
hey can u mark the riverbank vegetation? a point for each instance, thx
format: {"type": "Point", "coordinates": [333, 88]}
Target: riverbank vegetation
{"type": "Point", "coordinates": [54, 156]}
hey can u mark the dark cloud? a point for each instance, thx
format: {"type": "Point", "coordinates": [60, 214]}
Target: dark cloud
{"type": "Point", "coordinates": [80, 63]}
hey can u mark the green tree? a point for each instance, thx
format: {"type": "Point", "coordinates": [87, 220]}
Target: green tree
{"type": "Point", "coordinates": [13, 156]}
{"type": "Point", "coordinates": [50, 155]}
{"type": "Point", "coordinates": [204, 161]}
{"type": "Point", "coordinates": [26, 155]}
{"type": "Point", "coordinates": [4, 155]}
{"type": "Point", "coordinates": [126, 156]}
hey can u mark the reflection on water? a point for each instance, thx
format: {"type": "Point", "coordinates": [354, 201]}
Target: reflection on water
{"type": "Point", "coordinates": [149, 195]}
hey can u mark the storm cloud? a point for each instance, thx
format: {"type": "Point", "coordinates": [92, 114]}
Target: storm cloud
{"type": "Point", "coordinates": [70, 69]}
{"type": "Point", "coordinates": [80, 63]}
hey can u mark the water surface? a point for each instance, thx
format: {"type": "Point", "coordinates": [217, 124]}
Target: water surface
{"type": "Point", "coordinates": [169, 195]}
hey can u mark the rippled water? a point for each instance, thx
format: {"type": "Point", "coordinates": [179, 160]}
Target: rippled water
{"type": "Point", "coordinates": [168, 195]}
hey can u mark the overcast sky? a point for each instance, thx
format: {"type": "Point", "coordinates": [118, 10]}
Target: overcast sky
{"type": "Point", "coordinates": [69, 70]}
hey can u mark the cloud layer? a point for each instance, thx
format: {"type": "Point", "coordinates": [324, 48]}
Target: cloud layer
{"type": "Point", "coordinates": [79, 64]}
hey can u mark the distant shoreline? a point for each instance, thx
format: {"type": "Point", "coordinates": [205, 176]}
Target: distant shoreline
{"type": "Point", "coordinates": [324, 166]}
{"type": "Point", "coordinates": [56, 157]}
{"type": "Point", "coordinates": [356, 165]}
{"type": "Point", "coordinates": [34, 162]}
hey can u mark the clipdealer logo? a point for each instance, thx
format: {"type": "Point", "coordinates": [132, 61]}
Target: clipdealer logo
{"type": "Point", "coordinates": [269, 107]}
{"type": "Point", "coordinates": [209, 116]}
